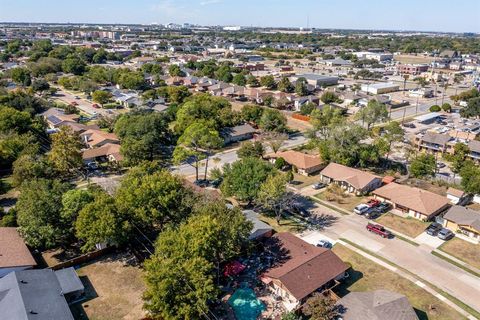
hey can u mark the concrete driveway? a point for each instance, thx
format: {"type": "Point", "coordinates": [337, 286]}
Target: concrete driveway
{"type": "Point", "coordinates": [428, 240]}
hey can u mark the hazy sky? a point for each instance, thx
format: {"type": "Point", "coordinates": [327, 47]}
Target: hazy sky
{"type": "Point", "coordinates": [428, 15]}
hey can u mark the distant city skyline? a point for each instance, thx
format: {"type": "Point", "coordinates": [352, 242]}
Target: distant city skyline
{"type": "Point", "coordinates": [424, 15]}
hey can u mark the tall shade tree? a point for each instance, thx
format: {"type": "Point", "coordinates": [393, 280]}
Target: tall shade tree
{"type": "Point", "coordinates": [273, 194]}
{"type": "Point", "coordinates": [73, 201]}
{"type": "Point", "coordinates": [39, 212]}
{"type": "Point", "coordinates": [102, 97]}
{"type": "Point", "coordinates": [374, 112]}
{"type": "Point", "coordinates": [65, 154]}
{"type": "Point", "coordinates": [423, 165]}
{"type": "Point", "coordinates": [154, 198]}
{"type": "Point", "coordinates": [100, 222]}
{"type": "Point", "coordinates": [393, 133]}
{"type": "Point", "coordinates": [285, 85]}
{"type": "Point", "coordinates": [470, 178]}
{"type": "Point", "coordinates": [243, 178]}
{"type": "Point", "coordinates": [273, 120]}
{"type": "Point", "coordinates": [251, 149]}
{"type": "Point", "coordinates": [319, 307]}
{"type": "Point", "coordinates": [180, 276]}
{"type": "Point", "coordinates": [196, 144]}
{"type": "Point", "coordinates": [252, 113]}
{"type": "Point", "coordinates": [14, 120]}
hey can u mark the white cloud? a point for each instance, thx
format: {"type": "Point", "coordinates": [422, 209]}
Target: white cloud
{"type": "Point", "coordinates": [208, 2]}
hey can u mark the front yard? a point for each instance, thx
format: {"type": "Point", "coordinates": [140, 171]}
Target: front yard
{"type": "Point", "coordinates": [408, 226]}
{"type": "Point", "coordinates": [347, 201]}
{"type": "Point", "coordinates": [463, 250]}
{"type": "Point", "coordinates": [286, 224]}
{"type": "Point", "coordinates": [366, 275]}
{"type": "Point", "coordinates": [300, 181]}
{"type": "Point", "coordinates": [114, 287]}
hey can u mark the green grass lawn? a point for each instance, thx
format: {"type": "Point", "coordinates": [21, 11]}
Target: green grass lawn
{"type": "Point", "coordinates": [366, 275]}
{"type": "Point", "coordinates": [463, 250]}
{"type": "Point", "coordinates": [301, 181]}
{"type": "Point", "coordinates": [286, 224]}
{"type": "Point", "coordinates": [408, 226]}
{"type": "Point", "coordinates": [349, 202]}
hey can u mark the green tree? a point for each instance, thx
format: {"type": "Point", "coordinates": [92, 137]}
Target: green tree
{"type": "Point", "coordinates": [30, 166]}
{"type": "Point", "coordinates": [329, 97]}
{"type": "Point", "coordinates": [175, 71]}
{"type": "Point", "coordinates": [374, 112]}
{"type": "Point", "coordinates": [40, 85]}
{"type": "Point", "coordinates": [100, 222]}
{"type": "Point", "coordinates": [21, 76]}
{"type": "Point", "coordinates": [301, 87]}
{"type": "Point", "coordinates": [243, 178]}
{"type": "Point", "coordinates": [239, 79]}
{"type": "Point", "coordinates": [273, 120]}
{"type": "Point", "coordinates": [307, 108]}
{"type": "Point", "coordinates": [423, 165]}
{"type": "Point", "coordinates": [73, 201]}
{"type": "Point", "coordinates": [268, 82]}
{"type": "Point", "coordinates": [470, 178]}
{"type": "Point", "coordinates": [285, 85]}
{"type": "Point", "coordinates": [102, 97]}
{"type": "Point", "coordinates": [435, 108]}
{"type": "Point", "coordinates": [252, 113]}
{"type": "Point", "coordinates": [196, 144]}
{"type": "Point", "coordinates": [273, 194]}
{"type": "Point", "coordinates": [472, 110]}
{"type": "Point", "coordinates": [447, 107]}
{"type": "Point", "coordinates": [393, 133]}
{"type": "Point", "coordinates": [251, 149]}
{"type": "Point", "coordinates": [252, 81]}
{"type": "Point", "coordinates": [65, 154]}
{"type": "Point", "coordinates": [74, 65]}
{"type": "Point", "coordinates": [39, 213]}
{"type": "Point", "coordinates": [12, 120]}
{"type": "Point", "coordinates": [459, 158]}
{"type": "Point", "coordinates": [154, 198]}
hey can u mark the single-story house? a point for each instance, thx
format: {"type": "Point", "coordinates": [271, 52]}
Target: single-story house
{"type": "Point", "coordinates": [55, 117]}
{"type": "Point", "coordinates": [237, 133]}
{"type": "Point", "coordinates": [352, 180]}
{"type": "Point", "coordinates": [260, 229]}
{"type": "Point", "coordinates": [415, 202]}
{"type": "Point", "coordinates": [38, 294]}
{"type": "Point", "coordinates": [14, 254]}
{"type": "Point", "coordinates": [455, 195]}
{"type": "Point", "coordinates": [300, 269]}
{"type": "Point", "coordinates": [300, 101]}
{"type": "Point", "coordinates": [463, 220]}
{"type": "Point", "coordinates": [98, 138]}
{"type": "Point", "coordinates": [109, 152]}
{"type": "Point", "coordinates": [305, 164]}
{"type": "Point", "coordinates": [376, 305]}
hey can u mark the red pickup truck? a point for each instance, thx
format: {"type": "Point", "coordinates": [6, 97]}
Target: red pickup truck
{"type": "Point", "coordinates": [378, 229]}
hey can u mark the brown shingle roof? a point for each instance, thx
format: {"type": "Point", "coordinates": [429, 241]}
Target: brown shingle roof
{"type": "Point", "coordinates": [108, 149]}
{"type": "Point", "coordinates": [422, 201]}
{"type": "Point", "coordinates": [95, 137]}
{"type": "Point", "coordinates": [299, 159]}
{"type": "Point", "coordinates": [357, 178]}
{"type": "Point", "coordinates": [303, 267]}
{"type": "Point", "coordinates": [13, 251]}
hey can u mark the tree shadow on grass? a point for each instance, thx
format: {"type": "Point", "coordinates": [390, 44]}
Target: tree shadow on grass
{"type": "Point", "coordinates": [422, 315]}
{"type": "Point", "coordinates": [343, 288]}
{"type": "Point", "coordinates": [78, 309]}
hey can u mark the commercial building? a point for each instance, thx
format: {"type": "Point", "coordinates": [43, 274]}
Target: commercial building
{"type": "Point", "coordinates": [316, 80]}
{"type": "Point", "coordinates": [380, 88]}
{"type": "Point", "coordinates": [412, 69]}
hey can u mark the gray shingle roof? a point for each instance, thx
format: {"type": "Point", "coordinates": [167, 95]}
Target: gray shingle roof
{"type": "Point", "coordinates": [376, 305]}
{"type": "Point", "coordinates": [69, 280]}
{"type": "Point", "coordinates": [32, 295]}
{"type": "Point", "coordinates": [259, 227]}
{"type": "Point", "coordinates": [463, 216]}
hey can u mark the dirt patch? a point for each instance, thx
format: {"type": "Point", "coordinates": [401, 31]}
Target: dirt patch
{"type": "Point", "coordinates": [408, 226]}
{"type": "Point", "coordinates": [114, 289]}
{"type": "Point", "coordinates": [463, 250]}
{"type": "Point", "coordinates": [368, 276]}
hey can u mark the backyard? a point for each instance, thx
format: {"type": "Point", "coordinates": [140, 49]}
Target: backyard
{"type": "Point", "coordinates": [368, 276]}
{"type": "Point", "coordinates": [114, 287]}
{"type": "Point", "coordinates": [463, 250]}
{"type": "Point", "coordinates": [408, 226]}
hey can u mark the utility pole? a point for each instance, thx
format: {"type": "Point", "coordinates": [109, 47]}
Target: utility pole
{"type": "Point", "coordinates": [416, 106]}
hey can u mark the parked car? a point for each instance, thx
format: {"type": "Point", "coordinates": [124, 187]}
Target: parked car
{"type": "Point", "coordinates": [383, 207]}
{"type": "Point", "coordinates": [445, 234]}
{"type": "Point", "coordinates": [408, 125]}
{"type": "Point", "coordinates": [378, 229]}
{"type": "Point", "coordinates": [77, 97]}
{"type": "Point", "coordinates": [373, 203]}
{"type": "Point", "coordinates": [95, 106]}
{"type": "Point", "coordinates": [440, 165]}
{"type": "Point", "coordinates": [372, 214]}
{"type": "Point", "coordinates": [298, 209]}
{"type": "Point", "coordinates": [324, 244]}
{"type": "Point", "coordinates": [361, 209]}
{"type": "Point", "coordinates": [201, 183]}
{"type": "Point", "coordinates": [319, 185]}
{"type": "Point", "coordinates": [434, 228]}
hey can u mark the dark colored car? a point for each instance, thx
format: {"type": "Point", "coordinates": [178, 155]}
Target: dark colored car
{"type": "Point", "coordinates": [201, 183]}
{"type": "Point", "coordinates": [445, 234]}
{"type": "Point", "coordinates": [298, 209]}
{"type": "Point", "coordinates": [373, 203]}
{"type": "Point", "coordinates": [383, 207]}
{"type": "Point", "coordinates": [434, 228]}
{"type": "Point", "coordinates": [372, 214]}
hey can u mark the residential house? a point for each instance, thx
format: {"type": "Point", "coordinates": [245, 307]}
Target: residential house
{"type": "Point", "coordinates": [106, 152]}
{"type": "Point", "coordinates": [260, 229]}
{"type": "Point", "coordinates": [376, 305]}
{"type": "Point", "coordinates": [39, 294]}
{"type": "Point", "coordinates": [98, 138]}
{"type": "Point", "coordinates": [352, 180]}
{"type": "Point", "coordinates": [433, 142]}
{"type": "Point", "coordinates": [233, 91]}
{"type": "Point", "coordinates": [14, 254]}
{"type": "Point", "coordinates": [305, 164]}
{"type": "Point", "coordinates": [237, 133]}
{"type": "Point", "coordinates": [455, 195]}
{"type": "Point", "coordinates": [301, 101]}
{"type": "Point", "coordinates": [217, 89]}
{"type": "Point", "coordinates": [414, 202]}
{"type": "Point", "coordinates": [300, 269]}
{"type": "Point", "coordinates": [463, 220]}
{"type": "Point", "coordinates": [56, 117]}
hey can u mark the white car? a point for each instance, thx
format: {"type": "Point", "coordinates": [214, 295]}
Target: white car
{"type": "Point", "coordinates": [324, 244]}
{"type": "Point", "coordinates": [361, 208]}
